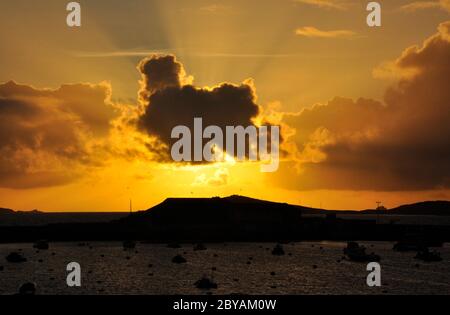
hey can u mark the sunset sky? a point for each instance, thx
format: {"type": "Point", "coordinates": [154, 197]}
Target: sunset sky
{"type": "Point", "coordinates": [364, 111]}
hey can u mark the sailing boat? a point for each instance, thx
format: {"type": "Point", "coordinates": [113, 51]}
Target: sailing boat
{"type": "Point", "coordinates": [129, 244]}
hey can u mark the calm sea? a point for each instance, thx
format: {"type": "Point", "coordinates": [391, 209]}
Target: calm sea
{"type": "Point", "coordinates": [237, 268]}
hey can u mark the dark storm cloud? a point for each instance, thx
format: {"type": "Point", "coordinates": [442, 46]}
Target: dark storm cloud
{"type": "Point", "coordinates": [158, 73]}
{"type": "Point", "coordinates": [403, 144]}
{"type": "Point", "coordinates": [45, 135]}
{"type": "Point", "coordinates": [169, 101]}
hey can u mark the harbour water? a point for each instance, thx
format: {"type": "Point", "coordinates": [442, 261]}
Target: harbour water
{"type": "Point", "coordinates": [237, 268]}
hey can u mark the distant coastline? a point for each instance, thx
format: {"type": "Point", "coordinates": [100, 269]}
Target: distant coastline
{"type": "Point", "coordinates": [435, 207]}
{"type": "Point", "coordinates": [234, 218]}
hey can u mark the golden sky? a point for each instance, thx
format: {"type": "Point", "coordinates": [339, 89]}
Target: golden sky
{"type": "Point", "coordinates": [364, 111]}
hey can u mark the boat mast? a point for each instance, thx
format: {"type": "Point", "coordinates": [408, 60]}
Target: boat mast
{"type": "Point", "coordinates": [379, 204]}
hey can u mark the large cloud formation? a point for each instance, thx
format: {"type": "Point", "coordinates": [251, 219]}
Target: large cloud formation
{"type": "Point", "coordinates": [169, 100]}
{"type": "Point", "coordinates": [403, 144]}
{"type": "Point", "coordinates": [50, 137]}
{"type": "Point", "coordinates": [53, 137]}
{"type": "Point", "coordinates": [47, 135]}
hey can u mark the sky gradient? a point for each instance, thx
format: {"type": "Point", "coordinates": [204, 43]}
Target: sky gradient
{"type": "Point", "coordinates": [364, 111]}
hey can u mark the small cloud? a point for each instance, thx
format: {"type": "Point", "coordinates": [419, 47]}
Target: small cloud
{"type": "Point", "coordinates": [326, 4]}
{"type": "Point", "coordinates": [420, 5]}
{"type": "Point", "coordinates": [391, 71]}
{"type": "Point", "coordinates": [220, 178]}
{"type": "Point", "coordinates": [424, 5]}
{"type": "Point", "coordinates": [312, 32]}
{"type": "Point", "coordinates": [216, 8]}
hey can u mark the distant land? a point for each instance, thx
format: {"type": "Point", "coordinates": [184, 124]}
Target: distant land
{"type": "Point", "coordinates": [175, 208]}
{"type": "Point", "coordinates": [439, 208]}
{"type": "Point", "coordinates": [234, 218]}
{"type": "Point", "coordinates": [10, 217]}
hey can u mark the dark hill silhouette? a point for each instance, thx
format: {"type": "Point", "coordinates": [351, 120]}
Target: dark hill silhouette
{"type": "Point", "coordinates": [424, 208]}
{"type": "Point", "coordinates": [219, 211]}
{"type": "Point", "coordinates": [184, 208]}
{"type": "Point", "coordinates": [207, 209]}
{"type": "Point", "coordinates": [234, 218]}
{"type": "Point", "coordinates": [240, 218]}
{"type": "Point", "coordinates": [213, 219]}
{"type": "Point", "coordinates": [6, 211]}
{"type": "Point", "coordinates": [435, 208]}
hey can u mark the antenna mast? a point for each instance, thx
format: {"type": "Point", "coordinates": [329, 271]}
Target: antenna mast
{"type": "Point", "coordinates": [379, 205]}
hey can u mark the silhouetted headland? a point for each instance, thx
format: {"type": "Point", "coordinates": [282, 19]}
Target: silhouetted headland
{"type": "Point", "coordinates": [234, 218]}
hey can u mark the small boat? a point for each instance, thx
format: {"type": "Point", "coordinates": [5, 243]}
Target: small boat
{"type": "Point", "coordinates": [178, 259]}
{"type": "Point", "coordinates": [41, 245]}
{"type": "Point", "coordinates": [278, 250]}
{"type": "Point", "coordinates": [402, 246]}
{"type": "Point", "coordinates": [428, 256]}
{"type": "Point", "coordinates": [28, 288]}
{"type": "Point", "coordinates": [205, 284]}
{"type": "Point", "coordinates": [416, 243]}
{"type": "Point", "coordinates": [355, 252]}
{"type": "Point", "coordinates": [199, 246]}
{"type": "Point", "coordinates": [352, 247]}
{"type": "Point", "coordinates": [129, 244]}
{"type": "Point", "coordinates": [15, 258]}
